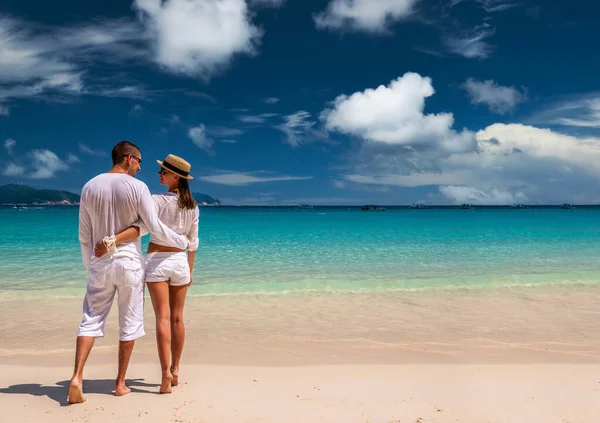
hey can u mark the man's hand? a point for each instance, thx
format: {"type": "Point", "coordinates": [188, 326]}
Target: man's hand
{"type": "Point", "coordinates": [100, 249]}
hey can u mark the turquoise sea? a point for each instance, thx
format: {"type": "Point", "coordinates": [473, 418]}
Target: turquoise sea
{"type": "Point", "coordinates": [277, 250]}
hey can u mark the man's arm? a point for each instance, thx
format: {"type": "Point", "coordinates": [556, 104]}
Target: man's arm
{"type": "Point", "coordinates": [149, 215]}
{"type": "Point", "coordinates": [85, 235]}
{"type": "Point", "coordinates": [193, 237]}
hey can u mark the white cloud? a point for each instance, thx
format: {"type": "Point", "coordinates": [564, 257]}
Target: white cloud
{"type": "Point", "coordinates": [27, 57]}
{"type": "Point", "coordinates": [512, 163]}
{"type": "Point", "coordinates": [542, 144]}
{"type": "Point", "coordinates": [503, 163]}
{"type": "Point", "coordinates": [374, 16]}
{"type": "Point", "coordinates": [267, 3]}
{"type": "Point", "coordinates": [461, 194]}
{"type": "Point", "coordinates": [128, 91]}
{"type": "Point", "coordinates": [136, 110]}
{"type": "Point", "coordinates": [72, 158]}
{"type": "Point", "coordinates": [298, 128]}
{"type": "Point", "coordinates": [198, 37]}
{"type": "Point", "coordinates": [189, 37]}
{"type": "Point", "coordinates": [9, 144]}
{"type": "Point", "coordinates": [90, 151]}
{"type": "Point", "coordinates": [41, 61]}
{"type": "Point", "coordinates": [490, 6]}
{"type": "Point", "coordinates": [224, 132]}
{"type": "Point", "coordinates": [414, 179]}
{"type": "Point", "coordinates": [499, 99]}
{"type": "Point", "coordinates": [258, 119]}
{"type": "Point", "coordinates": [583, 112]}
{"type": "Point", "coordinates": [271, 100]}
{"type": "Point", "coordinates": [201, 95]}
{"type": "Point", "coordinates": [393, 115]}
{"type": "Point", "coordinates": [13, 170]}
{"type": "Point", "coordinates": [471, 44]}
{"type": "Point", "coordinates": [46, 164]}
{"type": "Point", "coordinates": [227, 141]}
{"type": "Point", "coordinates": [242, 179]}
{"type": "Point", "coordinates": [199, 138]}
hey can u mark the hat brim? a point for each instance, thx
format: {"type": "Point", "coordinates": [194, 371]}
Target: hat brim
{"type": "Point", "coordinates": [160, 163]}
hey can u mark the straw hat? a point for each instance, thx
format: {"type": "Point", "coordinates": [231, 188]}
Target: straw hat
{"type": "Point", "coordinates": [176, 165]}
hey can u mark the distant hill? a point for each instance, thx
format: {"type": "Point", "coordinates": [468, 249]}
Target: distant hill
{"type": "Point", "coordinates": [23, 194]}
{"type": "Point", "coordinates": [204, 198]}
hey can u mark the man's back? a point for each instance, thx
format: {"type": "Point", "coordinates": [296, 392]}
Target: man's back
{"type": "Point", "coordinates": [109, 204]}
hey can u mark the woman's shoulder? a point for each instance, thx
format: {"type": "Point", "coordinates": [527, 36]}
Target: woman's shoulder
{"type": "Point", "coordinates": [165, 196]}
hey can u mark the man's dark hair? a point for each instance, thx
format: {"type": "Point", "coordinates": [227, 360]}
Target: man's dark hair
{"type": "Point", "coordinates": [123, 149]}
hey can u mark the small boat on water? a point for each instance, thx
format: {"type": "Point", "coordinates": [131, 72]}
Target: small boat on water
{"type": "Point", "coordinates": [372, 207]}
{"type": "Point", "coordinates": [305, 206]}
{"type": "Point", "coordinates": [568, 206]}
{"type": "Point", "coordinates": [519, 206]}
{"type": "Point", "coordinates": [418, 206]}
{"type": "Point", "coordinates": [466, 206]}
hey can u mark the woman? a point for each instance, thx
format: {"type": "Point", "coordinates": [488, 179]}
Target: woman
{"type": "Point", "coordinates": [168, 270]}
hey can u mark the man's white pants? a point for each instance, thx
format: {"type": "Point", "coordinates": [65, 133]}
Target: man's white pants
{"type": "Point", "coordinates": [121, 273]}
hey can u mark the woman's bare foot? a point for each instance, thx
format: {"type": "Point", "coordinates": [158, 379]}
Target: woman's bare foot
{"type": "Point", "coordinates": [76, 392]}
{"type": "Point", "coordinates": [165, 386]}
{"type": "Point", "coordinates": [122, 389]}
{"type": "Point", "coordinates": [175, 373]}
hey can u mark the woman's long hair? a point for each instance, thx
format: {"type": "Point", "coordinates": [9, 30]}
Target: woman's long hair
{"type": "Point", "coordinates": [186, 201]}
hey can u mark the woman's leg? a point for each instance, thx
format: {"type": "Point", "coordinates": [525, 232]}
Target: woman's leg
{"type": "Point", "coordinates": [159, 294]}
{"type": "Point", "coordinates": [177, 299]}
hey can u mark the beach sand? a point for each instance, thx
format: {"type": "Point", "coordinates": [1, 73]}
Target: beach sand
{"type": "Point", "coordinates": [527, 355]}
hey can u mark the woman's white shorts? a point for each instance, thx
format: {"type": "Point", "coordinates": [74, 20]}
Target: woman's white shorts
{"type": "Point", "coordinates": [171, 267]}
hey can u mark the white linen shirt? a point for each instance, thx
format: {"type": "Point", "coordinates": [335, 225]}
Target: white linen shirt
{"type": "Point", "coordinates": [181, 221]}
{"type": "Point", "coordinates": [112, 202]}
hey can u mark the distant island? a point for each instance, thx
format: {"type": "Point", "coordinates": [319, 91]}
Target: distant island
{"type": "Point", "coordinates": [23, 194]}
{"type": "Point", "coordinates": [206, 200]}
{"type": "Point", "coordinates": [14, 194]}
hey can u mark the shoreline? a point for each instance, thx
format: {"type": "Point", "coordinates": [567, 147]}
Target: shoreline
{"type": "Point", "coordinates": [488, 326]}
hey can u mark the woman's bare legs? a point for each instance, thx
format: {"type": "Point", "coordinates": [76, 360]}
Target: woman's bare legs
{"type": "Point", "coordinates": [177, 299]}
{"type": "Point", "coordinates": [159, 294]}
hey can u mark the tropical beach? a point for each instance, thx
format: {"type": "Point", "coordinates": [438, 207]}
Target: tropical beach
{"type": "Point", "coordinates": [463, 343]}
{"type": "Point", "coordinates": [285, 211]}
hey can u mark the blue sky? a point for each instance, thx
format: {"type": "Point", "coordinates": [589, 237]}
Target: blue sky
{"type": "Point", "coordinates": [322, 102]}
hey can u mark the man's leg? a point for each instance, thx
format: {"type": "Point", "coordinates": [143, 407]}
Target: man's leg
{"type": "Point", "coordinates": [125, 350]}
{"type": "Point", "coordinates": [130, 291]}
{"type": "Point", "coordinates": [96, 306]}
{"type": "Point", "coordinates": [82, 351]}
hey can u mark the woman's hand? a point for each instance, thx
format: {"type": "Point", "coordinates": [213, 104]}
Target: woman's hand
{"type": "Point", "coordinates": [190, 278]}
{"type": "Point", "coordinates": [100, 249]}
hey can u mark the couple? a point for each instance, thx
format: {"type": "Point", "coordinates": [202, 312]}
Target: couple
{"type": "Point", "coordinates": [115, 210]}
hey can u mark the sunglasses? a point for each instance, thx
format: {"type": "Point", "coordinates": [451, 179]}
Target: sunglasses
{"type": "Point", "coordinates": [137, 159]}
{"type": "Point", "coordinates": [162, 171]}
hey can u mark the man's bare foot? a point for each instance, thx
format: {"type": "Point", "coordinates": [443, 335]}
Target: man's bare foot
{"type": "Point", "coordinates": [76, 392]}
{"type": "Point", "coordinates": [122, 389]}
{"type": "Point", "coordinates": [175, 373]}
{"type": "Point", "coordinates": [165, 386]}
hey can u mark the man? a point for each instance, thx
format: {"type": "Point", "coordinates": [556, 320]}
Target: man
{"type": "Point", "coordinates": [110, 203]}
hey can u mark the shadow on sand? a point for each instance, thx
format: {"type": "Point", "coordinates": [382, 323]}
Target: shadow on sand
{"type": "Point", "coordinates": [60, 390]}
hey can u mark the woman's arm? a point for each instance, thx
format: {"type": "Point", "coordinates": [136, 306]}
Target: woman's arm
{"type": "Point", "coordinates": [127, 235]}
